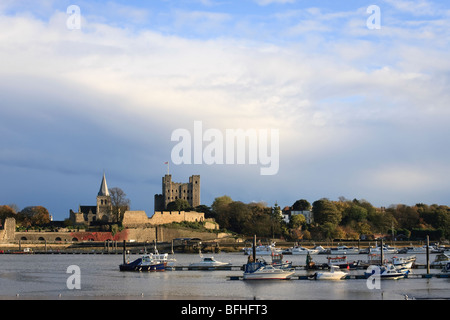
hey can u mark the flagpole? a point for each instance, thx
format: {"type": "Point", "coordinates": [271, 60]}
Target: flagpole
{"type": "Point", "coordinates": [167, 167]}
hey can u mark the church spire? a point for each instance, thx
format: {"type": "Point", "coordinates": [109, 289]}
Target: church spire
{"type": "Point", "coordinates": [103, 187]}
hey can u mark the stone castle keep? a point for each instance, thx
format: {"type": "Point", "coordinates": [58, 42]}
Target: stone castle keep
{"type": "Point", "coordinates": [171, 191]}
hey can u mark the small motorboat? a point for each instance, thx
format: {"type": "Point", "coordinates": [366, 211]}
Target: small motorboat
{"type": "Point", "coordinates": [386, 249]}
{"type": "Point", "coordinates": [208, 262]}
{"type": "Point", "coordinates": [146, 263]}
{"type": "Point", "coordinates": [261, 271]}
{"type": "Point", "coordinates": [344, 250]}
{"type": "Point", "coordinates": [262, 250]}
{"type": "Point", "coordinates": [300, 250]}
{"type": "Point", "coordinates": [278, 262]}
{"type": "Point", "coordinates": [403, 263]}
{"type": "Point", "coordinates": [387, 271]}
{"type": "Point", "coordinates": [341, 262]}
{"type": "Point", "coordinates": [441, 260]}
{"type": "Point", "coordinates": [334, 274]}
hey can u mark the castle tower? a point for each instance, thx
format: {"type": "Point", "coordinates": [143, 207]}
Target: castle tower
{"type": "Point", "coordinates": [104, 207]}
{"type": "Point", "coordinates": [172, 191]}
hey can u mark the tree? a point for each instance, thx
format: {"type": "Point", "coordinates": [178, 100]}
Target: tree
{"type": "Point", "coordinates": [297, 221]}
{"type": "Point", "coordinates": [6, 212]}
{"type": "Point", "coordinates": [119, 203]}
{"type": "Point", "coordinates": [301, 205]}
{"type": "Point", "coordinates": [178, 205]}
{"type": "Point", "coordinates": [34, 215]}
{"type": "Point", "coordinates": [325, 211]}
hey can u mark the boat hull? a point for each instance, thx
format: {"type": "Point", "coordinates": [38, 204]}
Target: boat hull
{"type": "Point", "coordinates": [137, 265]}
{"type": "Point", "coordinates": [329, 275]}
{"type": "Point", "coordinates": [268, 276]}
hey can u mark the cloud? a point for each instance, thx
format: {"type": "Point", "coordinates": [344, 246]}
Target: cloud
{"type": "Point", "coordinates": [347, 102]}
{"type": "Point", "coordinates": [267, 2]}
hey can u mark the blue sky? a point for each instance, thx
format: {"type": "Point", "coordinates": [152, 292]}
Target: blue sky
{"type": "Point", "coordinates": [361, 113]}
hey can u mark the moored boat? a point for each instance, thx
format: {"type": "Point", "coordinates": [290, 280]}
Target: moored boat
{"type": "Point", "coordinates": [403, 262]}
{"type": "Point", "coordinates": [441, 260]}
{"type": "Point", "coordinates": [387, 271]}
{"type": "Point", "coordinates": [333, 274]}
{"type": "Point", "coordinates": [260, 271]}
{"type": "Point", "coordinates": [341, 262]}
{"type": "Point", "coordinates": [386, 249]}
{"type": "Point", "coordinates": [208, 262]}
{"type": "Point", "coordinates": [344, 250]}
{"type": "Point", "coordinates": [262, 250]}
{"type": "Point", "coordinates": [145, 263]}
{"type": "Point", "coordinates": [298, 250]}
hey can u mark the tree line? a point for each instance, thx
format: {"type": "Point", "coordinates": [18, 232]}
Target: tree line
{"type": "Point", "coordinates": [342, 219]}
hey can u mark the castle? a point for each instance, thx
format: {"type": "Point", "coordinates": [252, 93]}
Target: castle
{"type": "Point", "coordinates": [101, 212]}
{"type": "Point", "coordinates": [172, 191]}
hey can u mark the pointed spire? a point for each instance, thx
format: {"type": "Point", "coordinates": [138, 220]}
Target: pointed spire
{"type": "Point", "coordinates": [103, 187]}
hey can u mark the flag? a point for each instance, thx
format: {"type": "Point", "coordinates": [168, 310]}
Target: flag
{"type": "Point", "coordinates": [166, 162]}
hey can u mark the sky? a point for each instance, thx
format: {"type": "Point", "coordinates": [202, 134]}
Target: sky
{"type": "Point", "coordinates": [362, 112]}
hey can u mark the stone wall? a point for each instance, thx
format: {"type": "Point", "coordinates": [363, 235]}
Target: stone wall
{"type": "Point", "coordinates": [136, 219]}
{"type": "Point", "coordinates": [162, 217]}
{"type": "Point", "coordinates": [9, 230]}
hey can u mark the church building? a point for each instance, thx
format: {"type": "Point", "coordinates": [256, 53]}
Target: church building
{"type": "Point", "coordinates": [101, 212]}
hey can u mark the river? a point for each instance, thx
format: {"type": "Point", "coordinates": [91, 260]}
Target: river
{"type": "Point", "coordinates": [45, 277]}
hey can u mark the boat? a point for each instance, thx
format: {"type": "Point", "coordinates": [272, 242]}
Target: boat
{"type": "Point", "coordinates": [333, 274]}
{"type": "Point", "coordinates": [262, 250]}
{"type": "Point", "coordinates": [386, 271]}
{"type": "Point", "coordinates": [300, 251]}
{"type": "Point", "coordinates": [441, 260]}
{"type": "Point", "coordinates": [412, 249]}
{"type": "Point", "coordinates": [341, 262]}
{"type": "Point", "coordinates": [277, 261]}
{"type": "Point", "coordinates": [146, 263]}
{"type": "Point", "coordinates": [208, 262]}
{"type": "Point", "coordinates": [261, 271]}
{"type": "Point", "coordinates": [344, 250]}
{"type": "Point", "coordinates": [404, 263]}
{"type": "Point", "coordinates": [386, 249]}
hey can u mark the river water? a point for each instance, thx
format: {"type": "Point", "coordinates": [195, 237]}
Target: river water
{"type": "Point", "coordinates": [46, 277]}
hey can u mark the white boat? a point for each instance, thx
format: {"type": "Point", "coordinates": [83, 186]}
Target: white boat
{"type": "Point", "coordinates": [344, 250]}
{"type": "Point", "coordinates": [387, 271]}
{"type": "Point", "coordinates": [441, 260]}
{"type": "Point", "coordinates": [261, 271]}
{"type": "Point", "coordinates": [320, 249]}
{"type": "Point", "coordinates": [386, 249]}
{"type": "Point", "coordinates": [297, 250]}
{"type": "Point", "coordinates": [422, 249]}
{"type": "Point", "coordinates": [208, 262]}
{"type": "Point", "coordinates": [262, 250]}
{"type": "Point", "coordinates": [333, 274]}
{"type": "Point", "coordinates": [402, 262]}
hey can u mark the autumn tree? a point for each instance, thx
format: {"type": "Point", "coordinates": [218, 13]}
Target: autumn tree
{"type": "Point", "coordinates": [119, 203]}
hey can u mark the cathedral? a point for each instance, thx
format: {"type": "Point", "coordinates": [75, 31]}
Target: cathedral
{"type": "Point", "coordinates": [101, 212]}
